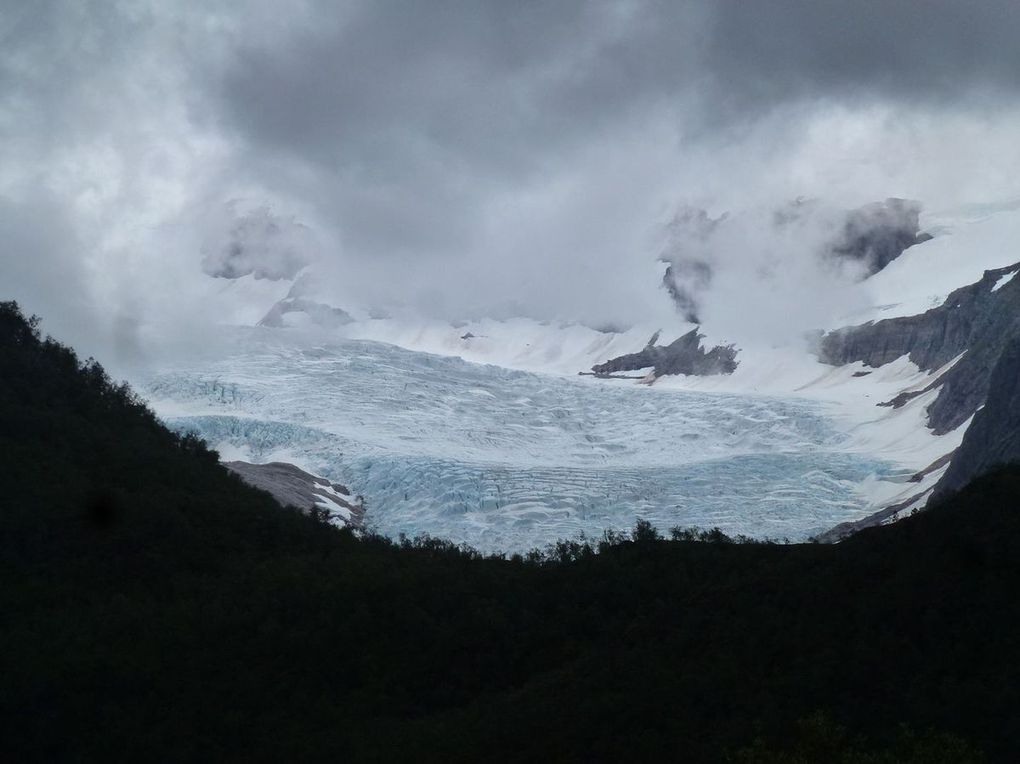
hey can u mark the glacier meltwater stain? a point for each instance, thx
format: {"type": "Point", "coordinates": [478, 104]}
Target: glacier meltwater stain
{"type": "Point", "coordinates": [509, 460]}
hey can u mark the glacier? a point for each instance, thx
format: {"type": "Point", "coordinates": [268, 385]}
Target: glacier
{"type": "Point", "coordinates": [509, 460]}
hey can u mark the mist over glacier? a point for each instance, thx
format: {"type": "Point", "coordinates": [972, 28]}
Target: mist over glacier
{"type": "Point", "coordinates": [518, 170]}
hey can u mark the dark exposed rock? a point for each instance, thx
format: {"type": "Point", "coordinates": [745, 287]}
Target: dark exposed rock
{"type": "Point", "coordinates": [901, 400]}
{"type": "Point", "coordinates": [993, 438]}
{"type": "Point", "coordinates": [467, 336]}
{"type": "Point", "coordinates": [878, 233]}
{"type": "Point", "coordinates": [682, 356]}
{"type": "Point", "coordinates": [977, 321]}
{"type": "Point", "coordinates": [981, 324]}
{"type": "Point", "coordinates": [293, 487]}
{"type": "Point", "coordinates": [936, 465]}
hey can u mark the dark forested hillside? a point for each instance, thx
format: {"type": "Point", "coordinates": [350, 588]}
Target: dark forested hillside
{"type": "Point", "coordinates": [153, 607]}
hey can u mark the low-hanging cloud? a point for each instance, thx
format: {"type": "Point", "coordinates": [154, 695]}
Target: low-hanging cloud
{"type": "Point", "coordinates": [469, 157]}
{"type": "Point", "coordinates": [259, 243]}
{"type": "Point", "coordinates": [769, 272]}
{"type": "Point", "coordinates": [41, 265]}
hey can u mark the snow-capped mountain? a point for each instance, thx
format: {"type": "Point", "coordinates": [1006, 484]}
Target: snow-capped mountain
{"type": "Point", "coordinates": [482, 432]}
{"type": "Point", "coordinates": [944, 316]}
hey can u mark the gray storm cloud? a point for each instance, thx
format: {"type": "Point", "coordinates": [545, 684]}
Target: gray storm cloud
{"type": "Point", "coordinates": [465, 156]}
{"type": "Point", "coordinates": [938, 51]}
{"type": "Point", "coordinates": [40, 266]}
{"type": "Point", "coordinates": [419, 115]}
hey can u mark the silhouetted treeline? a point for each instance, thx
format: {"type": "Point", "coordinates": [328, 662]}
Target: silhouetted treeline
{"type": "Point", "coordinates": [153, 607]}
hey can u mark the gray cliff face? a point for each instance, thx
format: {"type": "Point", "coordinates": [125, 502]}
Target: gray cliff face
{"type": "Point", "coordinates": [682, 356]}
{"type": "Point", "coordinates": [293, 487]}
{"type": "Point", "coordinates": [974, 321]}
{"type": "Point", "coordinates": [993, 438]}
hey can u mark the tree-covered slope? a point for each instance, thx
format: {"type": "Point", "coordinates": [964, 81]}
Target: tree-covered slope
{"type": "Point", "coordinates": [152, 606]}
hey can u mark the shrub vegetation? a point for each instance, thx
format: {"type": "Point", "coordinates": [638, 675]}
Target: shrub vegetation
{"type": "Point", "coordinates": [152, 606]}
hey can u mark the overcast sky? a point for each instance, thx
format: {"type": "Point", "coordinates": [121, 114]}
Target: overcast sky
{"type": "Point", "coordinates": [465, 157]}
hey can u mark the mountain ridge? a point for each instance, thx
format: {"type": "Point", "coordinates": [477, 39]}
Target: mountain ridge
{"type": "Point", "coordinates": [157, 606]}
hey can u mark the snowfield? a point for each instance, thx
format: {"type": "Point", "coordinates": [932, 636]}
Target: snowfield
{"type": "Point", "coordinates": [482, 432]}
{"type": "Point", "coordinates": [967, 242]}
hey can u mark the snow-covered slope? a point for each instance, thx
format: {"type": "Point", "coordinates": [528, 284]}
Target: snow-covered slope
{"type": "Point", "coordinates": [966, 243]}
{"type": "Point", "coordinates": [482, 432]}
{"type": "Point", "coordinates": [931, 372]}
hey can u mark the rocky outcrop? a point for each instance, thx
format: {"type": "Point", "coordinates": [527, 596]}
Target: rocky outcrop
{"type": "Point", "coordinates": [976, 322]}
{"type": "Point", "coordinates": [682, 356]}
{"type": "Point", "coordinates": [293, 487]}
{"type": "Point", "coordinates": [878, 233]}
{"type": "Point", "coordinates": [993, 438]}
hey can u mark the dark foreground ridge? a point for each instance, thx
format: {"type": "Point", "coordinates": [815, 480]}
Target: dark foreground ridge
{"type": "Point", "coordinates": [154, 607]}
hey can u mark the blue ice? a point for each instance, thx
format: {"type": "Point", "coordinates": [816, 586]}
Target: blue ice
{"type": "Point", "coordinates": [510, 460]}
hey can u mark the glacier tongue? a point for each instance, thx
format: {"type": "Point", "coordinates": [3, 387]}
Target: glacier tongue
{"type": "Point", "coordinates": [509, 460]}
